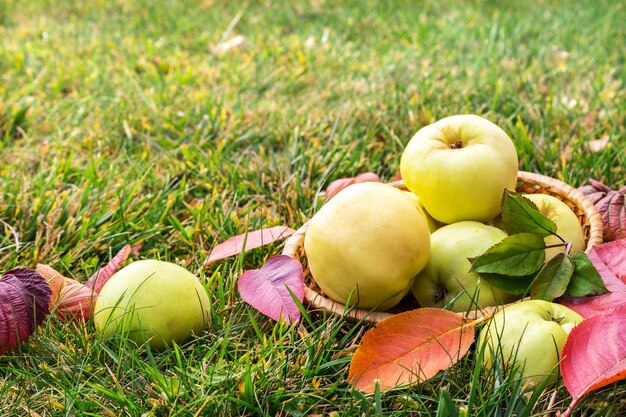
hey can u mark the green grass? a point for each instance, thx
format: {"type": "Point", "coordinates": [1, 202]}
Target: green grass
{"type": "Point", "coordinates": [121, 122]}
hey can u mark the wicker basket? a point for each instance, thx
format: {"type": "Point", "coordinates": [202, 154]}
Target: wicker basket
{"type": "Point", "coordinates": [528, 183]}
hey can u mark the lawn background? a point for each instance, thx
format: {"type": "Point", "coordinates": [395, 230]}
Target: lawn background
{"type": "Point", "coordinates": [133, 122]}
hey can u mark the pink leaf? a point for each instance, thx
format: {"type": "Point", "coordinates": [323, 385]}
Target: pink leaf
{"type": "Point", "coordinates": [594, 354]}
{"type": "Point", "coordinates": [590, 306]}
{"type": "Point", "coordinates": [97, 280]}
{"type": "Point", "coordinates": [610, 261]}
{"type": "Point", "coordinates": [251, 240]}
{"type": "Point", "coordinates": [267, 289]}
{"type": "Point", "coordinates": [338, 185]}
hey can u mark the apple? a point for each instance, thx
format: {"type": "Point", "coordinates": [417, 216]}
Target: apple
{"type": "Point", "coordinates": [152, 301]}
{"type": "Point", "coordinates": [529, 337]}
{"type": "Point", "coordinates": [567, 223]}
{"type": "Point", "coordinates": [459, 166]}
{"type": "Point", "coordinates": [366, 244]}
{"type": "Point", "coordinates": [447, 280]}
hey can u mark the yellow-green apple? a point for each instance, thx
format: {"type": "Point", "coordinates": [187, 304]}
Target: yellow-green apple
{"type": "Point", "coordinates": [528, 337]}
{"type": "Point", "coordinates": [446, 279]}
{"type": "Point", "coordinates": [154, 301]}
{"type": "Point", "coordinates": [459, 166]}
{"type": "Point", "coordinates": [567, 224]}
{"type": "Point", "coordinates": [366, 245]}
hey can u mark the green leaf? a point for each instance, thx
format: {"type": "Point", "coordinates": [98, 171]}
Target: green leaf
{"type": "Point", "coordinates": [586, 279]}
{"type": "Point", "coordinates": [513, 285]}
{"type": "Point", "coordinates": [553, 279]}
{"type": "Point", "coordinates": [517, 255]}
{"type": "Point", "coordinates": [520, 215]}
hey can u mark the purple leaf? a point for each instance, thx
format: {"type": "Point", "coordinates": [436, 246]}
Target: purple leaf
{"type": "Point", "coordinates": [251, 240]}
{"type": "Point", "coordinates": [97, 280]}
{"type": "Point", "coordinates": [24, 304]}
{"type": "Point", "coordinates": [267, 289]}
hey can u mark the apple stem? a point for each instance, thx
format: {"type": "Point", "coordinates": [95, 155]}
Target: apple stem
{"type": "Point", "coordinates": [458, 144]}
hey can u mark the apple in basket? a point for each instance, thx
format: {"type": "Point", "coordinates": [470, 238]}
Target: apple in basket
{"type": "Point", "coordinates": [446, 280]}
{"type": "Point", "coordinates": [459, 166]}
{"type": "Point", "coordinates": [365, 246]}
{"type": "Point", "coordinates": [568, 226]}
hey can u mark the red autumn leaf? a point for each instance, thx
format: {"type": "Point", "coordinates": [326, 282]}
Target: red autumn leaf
{"type": "Point", "coordinates": [410, 347]}
{"type": "Point", "coordinates": [24, 304]}
{"type": "Point", "coordinates": [247, 241]}
{"type": "Point", "coordinates": [97, 280]}
{"type": "Point", "coordinates": [594, 354]}
{"type": "Point", "coordinates": [267, 288]}
{"type": "Point", "coordinates": [612, 207]}
{"type": "Point", "coordinates": [338, 185]}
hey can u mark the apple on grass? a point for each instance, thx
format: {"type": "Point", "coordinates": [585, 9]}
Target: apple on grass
{"type": "Point", "coordinates": [528, 337]}
{"type": "Point", "coordinates": [447, 280]}
{"type": "Point", "coordinates": [366, 245]}
{"type": "Point", "coordinates": [567, 224]}
{"type": "Point", "coordinates": [459, 167]}
{"type": "Point", "coordinates": [152, 301]}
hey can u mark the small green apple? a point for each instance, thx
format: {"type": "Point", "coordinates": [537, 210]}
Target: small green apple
{"type": "Point", "coordinates": [366, 245]}
{"type": "Point", "coordinates": [447, 279]}
{"type": "Point", "coordinates": [459, 167]}
{"type": "Point", "coordinates": [154, 301]}
{"type": "Point", "coordinates": [528, 336]}
{"type": "Point", "coordinates": [567, 223]}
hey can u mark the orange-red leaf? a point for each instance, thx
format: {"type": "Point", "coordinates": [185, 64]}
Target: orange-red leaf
{"type": "Point", "coordinates": [76, 302]}
{"type": "Point", "coordinates": [594, 354]}
{"type": "Point", "coordinates": [55, 280]}
{"type": "Point", "coordinates": [410, 347]}
{"type": "Point", "coordinates": [247, 241]}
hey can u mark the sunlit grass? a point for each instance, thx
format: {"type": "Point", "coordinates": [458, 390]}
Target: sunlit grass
{"type": "Point", "coordinates": [125, 122]}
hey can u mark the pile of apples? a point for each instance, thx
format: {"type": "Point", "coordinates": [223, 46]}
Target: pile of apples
{"type": "Point", "coordinates": [373, 243]}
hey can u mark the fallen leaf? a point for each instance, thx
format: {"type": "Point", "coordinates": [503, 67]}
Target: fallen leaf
{"type": "Point", "coordinates": [611, 205]}
{"type": "Point", "coordinates": [97, 280]}
{"type": "Point", "coordinates": [610, 261]}
{"type": "Point", "coordinates": [410, 347]}
{"type": "Point", "coordinates": [268, 289]}
{"type": "Point", "coordinates": [76, 302]}
{"type": "Point", "coordinates": [55, 280]}
{"type": "Point", "coordinates": [597, 145]}
{"type": "Point", "coordinates": [73, 300]}
{"type": "Point", "coordinates": [594, 355]}
{"type": "Point", "coordinates": [235, 43]}
{"type": "Point", "coordinates": [590, 306]}
{"type": "Point", "coordinates": [24, 304]}
{"type": "Point", "coordinates": [338, 185]}
{"type": "Point", "coordinates": [247, 241]}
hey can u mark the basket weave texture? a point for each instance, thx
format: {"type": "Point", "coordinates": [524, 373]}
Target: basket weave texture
{"type": "Point", "coordinates": [528, 183]}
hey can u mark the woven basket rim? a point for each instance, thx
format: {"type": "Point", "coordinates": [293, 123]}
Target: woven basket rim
{"type": "Point", "coordinates": [590, 218]}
